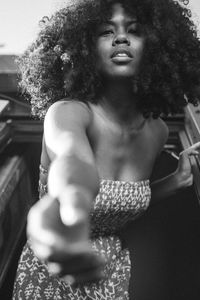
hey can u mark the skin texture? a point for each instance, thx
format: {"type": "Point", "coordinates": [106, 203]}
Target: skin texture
{"type": "Point", "coordinates": [121, 33]}
{"type": "Point", "coordinates": [111, 140]}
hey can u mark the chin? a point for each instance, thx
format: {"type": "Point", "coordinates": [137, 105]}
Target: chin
{"type": "Point", "coordinates": [118, 72]}
{"type": "Point", "coordinates": [123, 71]}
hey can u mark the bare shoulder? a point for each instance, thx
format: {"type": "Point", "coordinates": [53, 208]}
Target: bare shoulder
{"type": "Point", "coordinates": [65, 127]}
{"type": "Point", "coordinates": [160, 132]}
{"type": "Point", "coordinates": [65, 111]}
{"type": "Point", "coordinates": [161, 126]}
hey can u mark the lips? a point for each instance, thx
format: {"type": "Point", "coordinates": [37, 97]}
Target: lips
{"type": "Point", "coordinates": [121, 53]}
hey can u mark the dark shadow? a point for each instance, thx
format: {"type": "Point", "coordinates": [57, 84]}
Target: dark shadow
{"type": "Point", "coordinates": [165, 245]}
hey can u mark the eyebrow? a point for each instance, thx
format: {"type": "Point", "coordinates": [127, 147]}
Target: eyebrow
{"type": "Point", "coordinates": [110, 22]}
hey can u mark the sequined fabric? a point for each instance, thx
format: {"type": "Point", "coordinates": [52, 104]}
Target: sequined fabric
{"type": "Point", "coordinates": [116, 204]}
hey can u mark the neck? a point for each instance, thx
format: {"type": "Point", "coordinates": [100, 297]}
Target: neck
{"type": "Point", "coordinates": [119, 100]}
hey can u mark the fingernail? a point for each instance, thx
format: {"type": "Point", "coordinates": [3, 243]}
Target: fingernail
{"type": "Point", "coordinates": [71, 216]}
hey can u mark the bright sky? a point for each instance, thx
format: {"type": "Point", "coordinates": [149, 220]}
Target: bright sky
{"type": "Point", "coordinates": [19, 21]}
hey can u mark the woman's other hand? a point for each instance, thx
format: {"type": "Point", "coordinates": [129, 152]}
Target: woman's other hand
{"type": "Point", "coordinates": [184, 170]}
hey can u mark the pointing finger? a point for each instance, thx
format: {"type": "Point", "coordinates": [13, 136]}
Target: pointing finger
{"type": "Point", "coordinates": [196, 146]}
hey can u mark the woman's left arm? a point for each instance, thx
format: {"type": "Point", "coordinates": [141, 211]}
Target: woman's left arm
{"type": "Point", "coordinates": [179, 179]}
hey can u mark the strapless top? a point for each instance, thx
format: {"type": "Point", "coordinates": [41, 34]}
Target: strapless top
{"type": "Point", "coordinates": [116, 203]}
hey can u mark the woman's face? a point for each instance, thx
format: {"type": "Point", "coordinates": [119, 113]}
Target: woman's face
{"type": "Point", "coordinates": [119, 45]}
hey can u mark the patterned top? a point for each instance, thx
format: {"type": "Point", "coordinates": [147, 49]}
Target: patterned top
{"type": "Point", "coordinates": [117, 203]}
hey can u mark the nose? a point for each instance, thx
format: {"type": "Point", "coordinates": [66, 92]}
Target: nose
{"type": "Point", "coordinates": [121, 38]}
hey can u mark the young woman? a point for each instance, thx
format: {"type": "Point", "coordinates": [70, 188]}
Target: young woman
{"type": "Point", "coordinates": [112, 68]}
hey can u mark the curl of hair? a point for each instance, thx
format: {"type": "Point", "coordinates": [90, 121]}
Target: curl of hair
{"type": "Point", "coordinates": [169, 75]}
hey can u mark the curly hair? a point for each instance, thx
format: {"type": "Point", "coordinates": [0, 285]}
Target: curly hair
{"type": "Point", "coordinates": [61, 62]}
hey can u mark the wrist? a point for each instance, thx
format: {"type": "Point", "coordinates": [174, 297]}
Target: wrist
{"type": "Point", "coordinates": [181, 180]}
{"type": "Point", "coordinates": [176, 177]}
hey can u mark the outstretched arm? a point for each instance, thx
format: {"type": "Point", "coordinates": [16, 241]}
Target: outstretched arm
{"type": "Point", "coordinates": [62, 216]}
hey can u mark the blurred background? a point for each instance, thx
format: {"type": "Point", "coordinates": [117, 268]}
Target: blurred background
{"type": "Point", "coordinates": [19, 21]}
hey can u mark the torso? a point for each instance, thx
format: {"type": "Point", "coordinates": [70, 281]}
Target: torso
{"type": "Point", "coordinates": [120, 154]}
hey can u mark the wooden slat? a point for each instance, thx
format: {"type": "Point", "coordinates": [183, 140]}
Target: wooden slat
{"type": "Point", "coordinates": [4, 105]}
{"type": "Point", "coordinates": [15, 201]}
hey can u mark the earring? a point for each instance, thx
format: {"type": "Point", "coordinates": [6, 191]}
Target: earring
{"type": "Point", "coordinates": [66, 59]}
{"type": "Point", "coordinates": [58, 49]}
{"type": "Point", "coordinates": [64, 56]}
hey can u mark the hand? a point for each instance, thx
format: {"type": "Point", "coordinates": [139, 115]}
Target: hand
{"type": "Point", "coordinates": [66, 248]}
{"type": "Point", "coordinates": [184, 170]}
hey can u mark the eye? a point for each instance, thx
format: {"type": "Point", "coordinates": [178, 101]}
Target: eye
{"type": "Point", "coordinates": [106, 32]}
{"type": "Point", "coordinates": [134, 29]}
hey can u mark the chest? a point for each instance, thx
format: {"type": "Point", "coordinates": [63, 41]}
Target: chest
{"type": "Point", "coordinates": [123, 154]}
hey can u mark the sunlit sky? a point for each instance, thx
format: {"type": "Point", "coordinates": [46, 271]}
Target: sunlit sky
{"type": "Point", "coordinates": [19, 21]}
